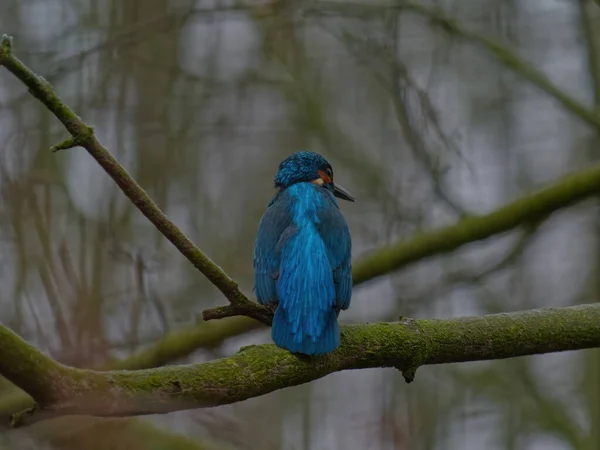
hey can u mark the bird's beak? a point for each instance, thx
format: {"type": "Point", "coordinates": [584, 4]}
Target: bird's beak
{"type": "Point", "coordinates": [342, 193]}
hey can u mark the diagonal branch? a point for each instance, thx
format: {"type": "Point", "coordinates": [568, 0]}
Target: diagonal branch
{"type": "Point", "coordinates": [526, 210]}
{"type": "Point", "coordinates": [258, 370]}
{"type": "Point", "coordinates": [83, 135]}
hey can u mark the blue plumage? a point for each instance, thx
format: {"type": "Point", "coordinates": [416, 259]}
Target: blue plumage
{"type": "Point", "coordinates": [302, 256]}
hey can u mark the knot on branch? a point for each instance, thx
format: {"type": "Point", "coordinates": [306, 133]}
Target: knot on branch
{"type": "Point", "coordinates": [409, 370]}
{"type": "Point", "coordinates": [80, 139]}
{"type": "Point", "coordinates": [419, 351]}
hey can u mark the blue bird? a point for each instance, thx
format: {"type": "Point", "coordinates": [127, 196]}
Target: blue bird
{"type": "Point", "coordinates": [302, 256]}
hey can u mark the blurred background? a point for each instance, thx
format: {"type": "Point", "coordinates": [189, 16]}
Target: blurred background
{"type": "Point", "coordinates": [422, 120]}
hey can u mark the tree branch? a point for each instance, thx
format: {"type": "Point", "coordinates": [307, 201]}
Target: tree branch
{"type": "Point", "coordinates": [258, 370]}
{"type": "Point", "coordinates": [172, 345]}
{"type": "Point", "coordinates": [504, 54]}
{"type": "Point", "coordinates": [83, 135]}
{"type": "Point", "coordinates": [526, 210]}
{"type": "Point", "coordinates": [249, 309]}
{"type": "Point", "coordinates": [169, 347]}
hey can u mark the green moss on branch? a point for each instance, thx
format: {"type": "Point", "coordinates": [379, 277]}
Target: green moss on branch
{"type": "Point", "coordinates": [258, 370]}
{"type": "Point", "coordinates": [27, 368]}
{"type": "Point", "coordinates": [529, 208]}
{"type": "Point", "coordinates": [169, 347]}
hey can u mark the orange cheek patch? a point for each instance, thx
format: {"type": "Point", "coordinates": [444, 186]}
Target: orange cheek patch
{"type": "Point", "coordinates": [324, 176]}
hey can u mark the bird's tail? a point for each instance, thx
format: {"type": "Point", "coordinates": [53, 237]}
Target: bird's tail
{"type": "Point", "coordinates": [305, 320]}
{"type": "Point", "coordinates": [283, 335]}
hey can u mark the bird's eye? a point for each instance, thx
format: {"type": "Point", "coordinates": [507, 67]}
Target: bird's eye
{"type": "Point", "coordinates": [329, 172]}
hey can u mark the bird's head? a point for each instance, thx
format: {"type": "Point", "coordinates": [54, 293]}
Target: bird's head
{"type": "Point", "coordinates": [309, 167]}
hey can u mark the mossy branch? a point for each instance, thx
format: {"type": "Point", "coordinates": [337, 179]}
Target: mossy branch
{"type": "Point", "coordinates": [169, 347]}
{"type": "Point", "coordinates": [172, 345]}
{"type": "Point", "coordinates": [524, 211]}
{"type": "Point", "coordinates": [258, 370]}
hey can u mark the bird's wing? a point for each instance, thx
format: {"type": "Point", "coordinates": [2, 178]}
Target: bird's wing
{"type": "Point", "coordinates": [336, 235]}
{"type": "Point", "coordinates": [267, 253]}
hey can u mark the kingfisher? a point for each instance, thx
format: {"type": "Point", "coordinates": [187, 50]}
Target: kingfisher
{"type": "Point", "coordinates": [302, 256]}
